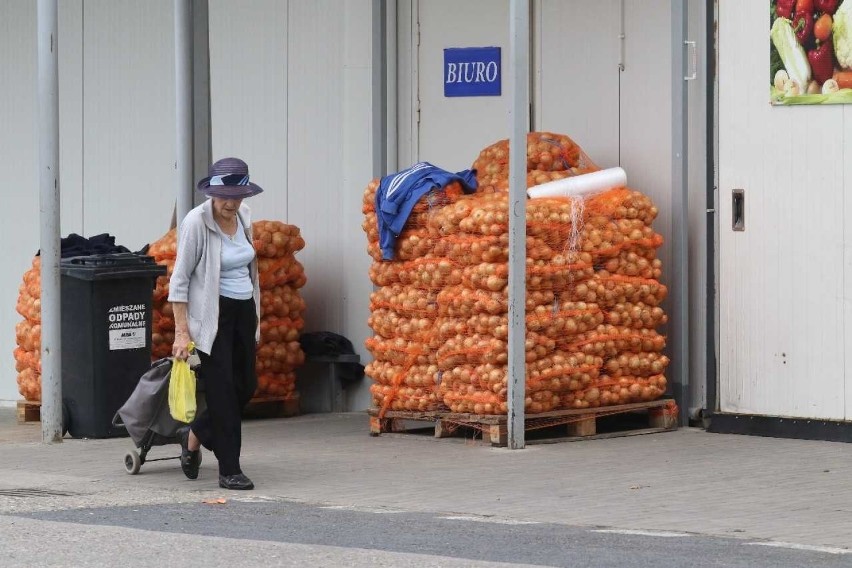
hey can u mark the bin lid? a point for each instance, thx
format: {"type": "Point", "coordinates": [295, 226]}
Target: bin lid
{"type": "Point", "coordinates": [110, 266]}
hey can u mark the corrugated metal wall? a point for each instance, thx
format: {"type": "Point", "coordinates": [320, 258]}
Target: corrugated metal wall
{"type": "Point", "coordinates": [117, 134]}
{"type": "Point", "coordinates": [18, 153]}
{"type": "Point", "coordinates": [291, 93]}
{"type": "Point", "coordinates": [785, 287]}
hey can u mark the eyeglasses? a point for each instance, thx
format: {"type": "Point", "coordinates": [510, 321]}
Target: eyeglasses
{"type": "Point", "coordinates": [230, 179]}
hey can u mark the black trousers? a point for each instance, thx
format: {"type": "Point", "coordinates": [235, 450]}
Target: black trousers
{"type": "Point", "coordinates": [228, 376]}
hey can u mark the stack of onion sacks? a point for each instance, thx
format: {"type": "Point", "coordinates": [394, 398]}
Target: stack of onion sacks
{"type": "Point", "coordinates": [593, 294]}
{"type": "Point", "coordinates": [281, 305]}
{"type": "Point", "coordinates": [473, 327]}
{"type": "Point", "coordinates": [28, 334]}
{"type": "Point", "coordinates": [617, 232]}
{"type": "Point", "coordinates": [403, 309]}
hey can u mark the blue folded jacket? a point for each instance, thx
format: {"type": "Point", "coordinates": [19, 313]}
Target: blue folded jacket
{"type": "Point", "coordinates": [399, 192]}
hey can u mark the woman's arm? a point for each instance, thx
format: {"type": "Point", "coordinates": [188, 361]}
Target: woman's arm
{"type": "Point", "coordinates": [188, 255]}
{"type": "Point", "coordinates": [180, 348]}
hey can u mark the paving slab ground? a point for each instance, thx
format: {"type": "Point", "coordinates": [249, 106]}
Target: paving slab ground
{"type": "Point", "coordinates": [689, 480]}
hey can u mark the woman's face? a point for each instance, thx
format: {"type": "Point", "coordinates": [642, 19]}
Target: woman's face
{"type": "Point", "coordinates": [226, 208]}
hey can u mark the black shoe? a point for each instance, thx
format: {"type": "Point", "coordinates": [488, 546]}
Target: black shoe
{"type": "Point", "coordinates": [238, 481]}
{"type": "Point", "coordinates": [190, 461]}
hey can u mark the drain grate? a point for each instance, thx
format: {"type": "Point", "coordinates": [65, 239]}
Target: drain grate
{"type": "Point", "coordinates": [32, 492]}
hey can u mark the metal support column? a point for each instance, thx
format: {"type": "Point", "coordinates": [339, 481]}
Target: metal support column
{"type": "Point", "coordinates": [519, 32]}
{"type": "Point", "coordinates": [379, 90]}
{"type": "Point", "coordinates": [183, 107]}
{"type": "Point", "coordinates": [679, 333]}
{"type": "Point", "coordinates": [48, 178]}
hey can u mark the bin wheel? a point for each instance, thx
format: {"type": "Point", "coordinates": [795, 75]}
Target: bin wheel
{"type": "Point", "coordinates": [132, 462]}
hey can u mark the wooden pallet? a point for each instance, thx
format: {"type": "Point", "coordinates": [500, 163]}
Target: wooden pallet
{"type": "Point", "coordinates": [546, 427]}
{"type": "Point", "coordinates": [272, 407]}
{"type": "Point", "coordinates": [29, 411]}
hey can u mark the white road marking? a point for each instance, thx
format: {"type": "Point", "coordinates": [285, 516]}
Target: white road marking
{"type": "Point", "coordinates": [494, 520]}
{"type": "Point", "coordinates": [255, 499]}
{"type": "Point", "coordinates": [806, 547]}
{"type": "Point", "coordinates": [357, 509]}
{"type": "Point", "coordinates": [663, 534]}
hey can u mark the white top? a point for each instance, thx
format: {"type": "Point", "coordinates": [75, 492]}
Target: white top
{"type": "Point", "coordinates": [237, 253]}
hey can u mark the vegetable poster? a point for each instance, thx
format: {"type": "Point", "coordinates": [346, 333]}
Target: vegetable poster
{"type": "Point", "coordinates": [810, 52]}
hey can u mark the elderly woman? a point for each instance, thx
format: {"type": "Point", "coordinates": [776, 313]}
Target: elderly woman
{"type": "Point", "coordinates": [215, 295]}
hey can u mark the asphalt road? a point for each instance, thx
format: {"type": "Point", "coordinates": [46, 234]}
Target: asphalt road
{"type": "Point", "coordinates": [249, 530]}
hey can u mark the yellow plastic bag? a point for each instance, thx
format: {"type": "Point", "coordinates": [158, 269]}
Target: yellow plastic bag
{"type": "Point", "coordinates": [182, 404]}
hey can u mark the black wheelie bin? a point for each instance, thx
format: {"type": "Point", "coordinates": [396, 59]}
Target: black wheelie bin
{"type": "Point", "coordinates": [106, 337]}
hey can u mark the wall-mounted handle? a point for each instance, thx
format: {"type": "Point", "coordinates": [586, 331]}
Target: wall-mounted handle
{"type": "Point", "coordinates": [693, 47]}
{"type": "Point", "coordinates": [738, 209]}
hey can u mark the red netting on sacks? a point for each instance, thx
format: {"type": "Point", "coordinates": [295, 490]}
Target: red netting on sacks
{"type": "Point", "coordinates": [281, 305]}
{"type": "Point", "coordinates": [592, 295]}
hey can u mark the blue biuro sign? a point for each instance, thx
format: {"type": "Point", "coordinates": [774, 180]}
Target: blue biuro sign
{"type": "Point", "coordinates": [472, 72]}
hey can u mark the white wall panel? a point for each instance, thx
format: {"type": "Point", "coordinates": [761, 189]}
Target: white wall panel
{"type": "Point", "coordinates": [624, 118]}
{"type": "Point", "coordinates": [454, 129]}
{"type": "Point", "coordinates": [291, 94]}
{"type": "Point", "coordinates": [406, 88]}
{"type": "Point", "coordinates": [576, 74]}
{"type": "Point", "coordinates": [357, 171]}
{"type": "Point", "coordinates": [71, 116]}
{"type": "Point", "coordinates": [646, 126]}
{"type": "Point", "coordinates": [646, 115]}
{"type": "Point", "coordinates": [847, 263]}
{"type": "Point", "coordinates": [19, 226]}
{"type": "Point", "coordinates": [315, 142]}
{"type": "Point", "coordinates": [116, 103]}
{"type": "Point", "coordinates": [781, 326]}
{"type": "Point", "coordinates": [248, 85]}
{"type": "Point", "coordinates": [128, 119]}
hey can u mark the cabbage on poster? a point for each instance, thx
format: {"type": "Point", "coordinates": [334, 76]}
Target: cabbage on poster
{"type": "Point", "coordinates": [810, 52]}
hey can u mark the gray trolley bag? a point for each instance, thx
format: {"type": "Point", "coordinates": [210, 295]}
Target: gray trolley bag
{"type": "Point", "coordinates": [146, 415]}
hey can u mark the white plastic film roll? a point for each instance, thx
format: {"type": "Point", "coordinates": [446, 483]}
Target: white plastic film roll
{"type": "Point", "coordinates": [581, 185]}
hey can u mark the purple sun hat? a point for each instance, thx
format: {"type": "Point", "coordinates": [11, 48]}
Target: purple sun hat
{"type": "Point", "coordinates": [229, 179]}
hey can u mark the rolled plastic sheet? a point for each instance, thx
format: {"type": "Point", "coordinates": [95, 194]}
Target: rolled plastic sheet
{"type": "Point", "coordinates": [581, 185]}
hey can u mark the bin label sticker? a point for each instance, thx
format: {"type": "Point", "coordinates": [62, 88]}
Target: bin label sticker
{"type": "Point", "coordinates": [127, 327]}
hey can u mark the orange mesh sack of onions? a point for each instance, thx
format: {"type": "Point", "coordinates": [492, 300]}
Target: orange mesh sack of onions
{"type": "Point", "coordinates": [613, 229]}
{"type": "Point", "coordinates": [404, 306]}
{"type": "Point", "coordinates": [550, 157]}
{"type": "Point", "coordinates": [28, 334]}
{"type": "Point", "coordinates": [282, 307]}
{"type": "Point", "coordinates": [163, 251]}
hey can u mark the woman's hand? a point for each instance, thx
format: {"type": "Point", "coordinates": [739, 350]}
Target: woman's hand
{"type": "Point", "coordinates": [180, 348]}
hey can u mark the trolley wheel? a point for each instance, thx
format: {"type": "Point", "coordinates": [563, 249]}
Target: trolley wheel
{"type": "Point", "coordinates": [132, 462]}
